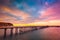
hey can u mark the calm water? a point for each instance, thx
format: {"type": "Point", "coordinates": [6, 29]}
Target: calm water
{"type": "Point", "coordinates": [51, 33]}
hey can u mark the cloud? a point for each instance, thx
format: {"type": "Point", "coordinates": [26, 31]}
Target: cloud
{"type": "Point", "coordinates": [52, 13]}
{"type": "Point", "coordinates": [13, 15]}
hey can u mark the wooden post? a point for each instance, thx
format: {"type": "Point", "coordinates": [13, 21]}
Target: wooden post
{"type": "Point", "coordinates": [11, 32]}
{"type": "Point", "coordinates": [16, 30]}
{"type": "Point", "coordinates": [5, 32]}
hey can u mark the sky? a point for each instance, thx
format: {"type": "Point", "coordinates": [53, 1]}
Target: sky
{"type": "Point", "coordinates": [29, 11]}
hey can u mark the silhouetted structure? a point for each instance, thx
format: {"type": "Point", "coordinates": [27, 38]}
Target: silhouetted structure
{"type": "Point", "coordinates": [5, 24]}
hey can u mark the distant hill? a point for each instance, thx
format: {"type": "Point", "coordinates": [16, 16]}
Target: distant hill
{"type": "Point", "coordinates": [5, 24]}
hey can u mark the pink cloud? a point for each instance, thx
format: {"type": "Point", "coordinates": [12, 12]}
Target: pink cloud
{"type": "Point", "coordinates": [52, 12]}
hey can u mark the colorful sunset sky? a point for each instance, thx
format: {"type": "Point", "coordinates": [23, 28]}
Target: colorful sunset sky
{"type": "Point", "coordinates": [30, 11]}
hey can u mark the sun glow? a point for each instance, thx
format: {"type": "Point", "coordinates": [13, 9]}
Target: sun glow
{"type": "Point", "coordinates": [45, 23]}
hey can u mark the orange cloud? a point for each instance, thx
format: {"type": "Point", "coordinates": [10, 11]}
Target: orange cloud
{"type": "Point", "coordinates": [14, 12]}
